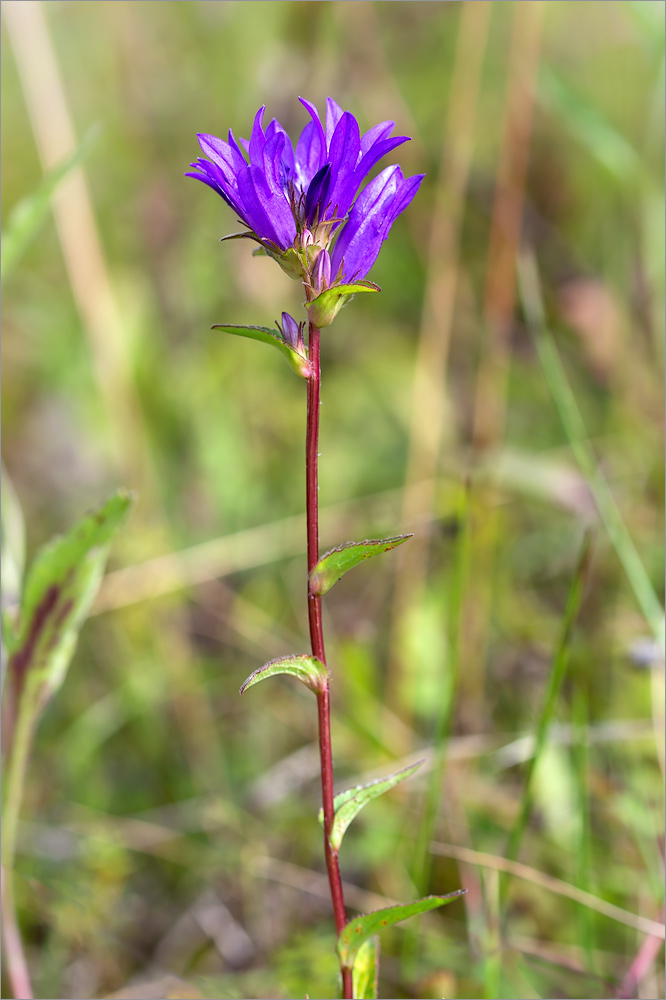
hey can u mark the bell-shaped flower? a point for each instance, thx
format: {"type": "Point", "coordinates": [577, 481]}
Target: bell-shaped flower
{"type": "Point", "coordinates": [295, 200]}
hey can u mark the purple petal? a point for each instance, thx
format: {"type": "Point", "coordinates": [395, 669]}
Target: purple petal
{"type": "Point", "coordinates": [288, 151]}
{"type": "Point", "coordinates": [343, 155]}
{"type": "Point", "coordinates": [374, 134]}
{"type": "Point", "coordinates": [280, 227]}
{"type": "Point", "coordinates": [257, 139]}
{"type": "Point", "coordinates": [254, 205]}
{"type": "Point", "coordinates": [374, 154]}
{"type": "Point", "coordinates": [333, 116]}
{"type": "Point", "coordinates": [320, 146]}
{"type": "Point", "coordinates": [220, 152]}
{"type": "Point", "coordinates": [370, 221]}
{"type": "Point", "coordinates": [316, 198]}
{"type": "Point", "coordinates": [308, 155]}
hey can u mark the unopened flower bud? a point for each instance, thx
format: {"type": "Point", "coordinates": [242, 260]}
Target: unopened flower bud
{"type": "Point", "coordinates": [290, 330]}
{"type": "Point", "coordinates": [321, 273]}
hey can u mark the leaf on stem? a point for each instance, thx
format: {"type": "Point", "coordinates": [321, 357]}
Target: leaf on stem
{"type": "Point", "coordinates": [366, 970]}
{"type": "Point", "coordinates": [60, 587]}
{"type": "Point", "coordinates": [311, 671]}
{"type": "Point", "coordinates": [297, 361]}
{"type": "Point", "coordinates": [349, 803]}
{"type": "Point", "coordinates": [323, 310]}
{"type": "Point", "coordinates": [359, 930]}
{"type": "Point", "coordinates": [338, 561]}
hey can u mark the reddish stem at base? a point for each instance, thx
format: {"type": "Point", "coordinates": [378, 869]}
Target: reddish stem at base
{"type": "Point", "coordinates": [317, 639]}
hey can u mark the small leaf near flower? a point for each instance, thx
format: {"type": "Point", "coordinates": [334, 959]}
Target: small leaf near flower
{"type": "Point", "coordinates": [349, 803]}
{"type": "Point", "coordinates": [311, 671]}
{"type": "Point", "coordinates": [359, 930]}
{"type": "Point", "coordinates": [340, 560]}
{"type": "Point", "coordinates": [323, 310]}
{"type": "Point", "coordinates": [366, 970]}
{"type": "Point", "coordinates": [297, 361]}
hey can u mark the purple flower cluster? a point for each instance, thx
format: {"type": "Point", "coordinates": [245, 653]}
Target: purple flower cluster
{"type": "Point", "coordinates": [292, 199]}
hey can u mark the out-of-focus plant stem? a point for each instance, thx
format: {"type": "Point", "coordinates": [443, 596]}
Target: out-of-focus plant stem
{"type": "Point", "coordinates": [13, 784]}
{"type": "Point", "coordinates": [317, 640]}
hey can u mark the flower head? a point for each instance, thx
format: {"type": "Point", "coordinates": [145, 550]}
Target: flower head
{"type": "Point", "coordinates": [299, 201]}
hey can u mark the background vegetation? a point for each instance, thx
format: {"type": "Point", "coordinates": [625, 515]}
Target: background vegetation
{"type": "Point", "coordinates": [170, 826]}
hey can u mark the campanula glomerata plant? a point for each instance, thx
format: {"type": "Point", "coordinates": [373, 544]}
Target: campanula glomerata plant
{"type": "Point", "coordinates": [301, 205]}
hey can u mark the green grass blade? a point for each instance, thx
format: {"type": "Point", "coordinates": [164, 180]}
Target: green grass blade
{"type": "Point", "coordinates": [555, 680]}
{"type": "Point", "coordinates": [27, 217]}
{"type": "Point", "coordinates": [574, 427]}
{"type": "Point", "coordinates": [308, 669]}
{"type": "Point", "coordinates": [366, 970]}
{"type": "Point", "coordinates": [460, 572]}
{"type": "Point", "coordinates": [349, 803]}
{"type": "Point", "coordinates": [340, 560]}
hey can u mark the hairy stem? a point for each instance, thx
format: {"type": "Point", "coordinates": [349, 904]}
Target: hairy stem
{"type": "Point", "coordinates": [317, 639]}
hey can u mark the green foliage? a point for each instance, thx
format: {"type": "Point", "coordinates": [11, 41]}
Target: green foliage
{"type": "Point", "coordinates": [308, 669]}
{"type": "Point", "coordinates": [349, 803]}
{"type": "Point", "coordinates": [359, 930]}
{"type": "Point", "coordinates": [59, 589]}
{"type": "Point", "coordinates": [298, 362]}
{"type": "Point", "coordinates": [29, 215]}
{"type": "Point", "coordinates": [323, 310]}
{"type": "Point", "coordinates": [340, 560]}
{"type": "Point", "coordinates": [366, 970]}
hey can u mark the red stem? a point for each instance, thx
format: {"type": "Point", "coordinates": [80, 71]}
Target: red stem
{"type": "Point", "coordinates": [317, 639]}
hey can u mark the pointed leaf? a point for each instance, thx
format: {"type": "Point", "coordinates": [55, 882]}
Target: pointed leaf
{"type": "Point", "coordinates": [245, 235]}
{"type": "Point", "coordinates": [359, 930]}
{"type": "Point", "coordinates": [311, 671]}
{"type": "Point", "coordinates": [338, 561]}
{"type": "Point", "coordinates": [366, 970]}
{"type": "Point", "coordinates": [349, 803]}
{"type": "Point", "coordinates": [323, 310]}
{"type": "Point", "coordinates": [298, 362]}
{"type": "Point", "coordinates": [60, 587]}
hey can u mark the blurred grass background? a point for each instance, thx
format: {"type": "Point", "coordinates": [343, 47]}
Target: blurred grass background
{"type": "Point", "coordinates": [169, 826]}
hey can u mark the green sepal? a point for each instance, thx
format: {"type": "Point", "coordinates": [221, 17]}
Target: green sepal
{"type": "Point", "coordinates": [323, 310]}
{"type": "Point", "coordinates": [349, 803]}
{"type": "Point", "coordinates": [311, 671]}
{"type": "Point", "coordinates": [365, 976]}
{"type": "Point", "coordinates": [359, 930]}
{"type": "Point", "coordinates": [245, 235]}
{"type": "Point", "coordinates": [60, 587]}
{"type": "Point", "coordinates": [297, 361]}
{"type": "Point", "coordinates": [340, 560]}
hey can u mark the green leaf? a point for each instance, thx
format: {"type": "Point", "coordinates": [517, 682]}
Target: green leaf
{"type": "Point", "coordinates": [298, 362]}
{"type": "Point", "coordinates": [323, 310]}
{"type": "Point", "coordinates": [366, 970]}
{"type": "Point", "coordinates": [359, 930]}
{"type": "Point", "coordinates": [349, 803]}
{"type": "Point", "coordinates": [60, 587]}
{"type": "Point", "coordinates": [27, 217]}
{"type": "Point", "coordinates": [338, 561]}
{"type": "Point", "coordinates": [311, 671]}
